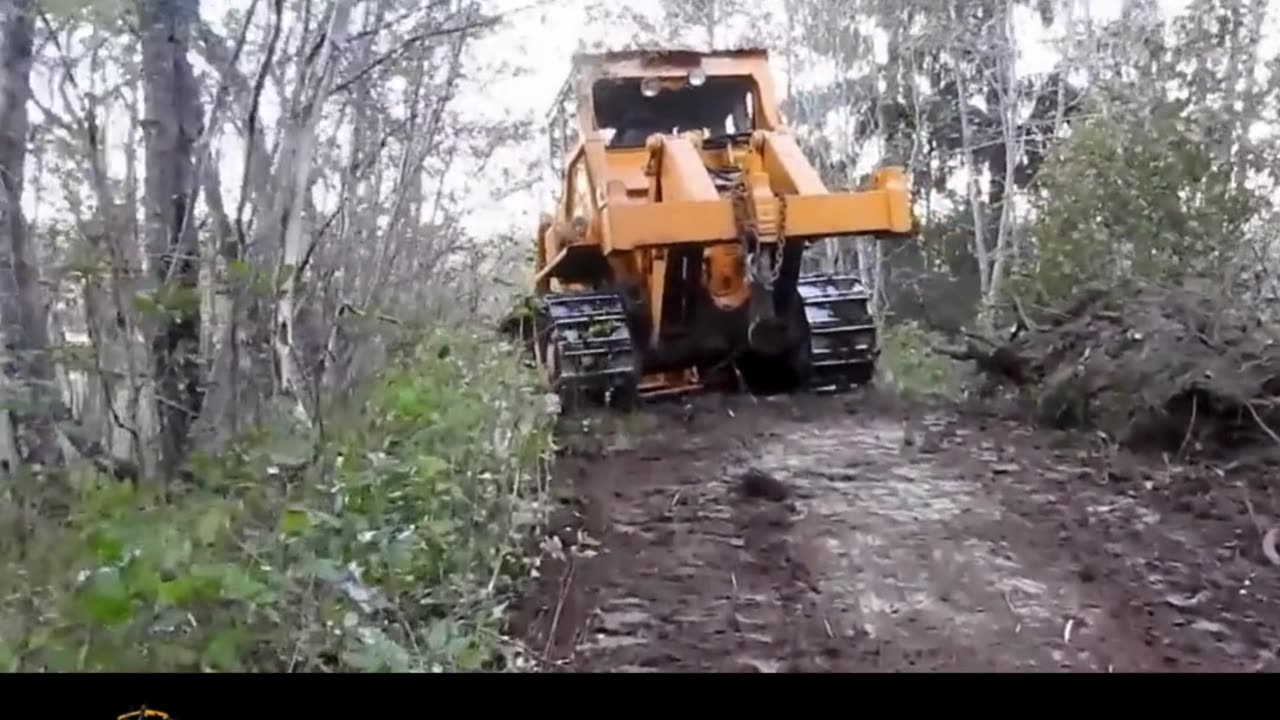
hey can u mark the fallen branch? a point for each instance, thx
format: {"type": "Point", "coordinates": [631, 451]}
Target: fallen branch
{"type": "Point", "coordinates": [1135, 361]}
{"type": "Point", "coordinates": [1001, 361]}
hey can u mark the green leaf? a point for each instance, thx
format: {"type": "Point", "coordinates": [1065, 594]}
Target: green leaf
{"type": "Point", "coordinates": [429, 466]}
{"type": "Point", "coordinates": [105, 546]}
{"type": "Point", "coordinates": [399, 555]}
{"type": "Point", "coordinates": [323, 569]}
{"type": "Point", "coordinates": [142, 577]}
{"type": "Point", "coordinates": [8, 658]}
{"type": "Point", "coordinates": [39, 638]}
{"type": "Point", "coordinates": [237, 584]}
{"type": "Point", "coordinates": [239, 270]}
{"type": "Point", "coordinates": [146, 305]}
{"type": "Point", "coordinates": [105, 599]}
{"type": "Point", "coordinates": [294, 521]}
{"type": "Point", "coordinates": [206, 582]}
{"type": "Point", "coordinates": [210, 524]}
{"type": "Point", "coordinates": [410, 402]}
{"type": "Point", "coordinates": [223, 650]}
{"type": "Point", "coordinates": [439, 529]}
{"type": "Point", "coordinates": [469, 658]}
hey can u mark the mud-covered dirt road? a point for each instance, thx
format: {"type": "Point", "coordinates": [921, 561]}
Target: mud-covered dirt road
{"type": "Point", "coordinates": [907, 540]}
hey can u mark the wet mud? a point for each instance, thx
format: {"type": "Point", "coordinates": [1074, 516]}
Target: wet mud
{"type": "Point", "coordinates": [810, 534]}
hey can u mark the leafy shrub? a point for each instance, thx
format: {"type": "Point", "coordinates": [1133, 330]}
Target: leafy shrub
{"type": "Point", "coordinates": [392, 548]}
{"type": "Point", "coordinates": [1133, 197]}
{"type": "Point", "coordinates": [911, 368]}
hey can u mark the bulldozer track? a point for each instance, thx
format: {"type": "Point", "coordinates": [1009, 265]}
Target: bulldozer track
{"type": "Point", "coordinates": [843, 342]}
{"type": "Point", "coordinates": [588, 348]}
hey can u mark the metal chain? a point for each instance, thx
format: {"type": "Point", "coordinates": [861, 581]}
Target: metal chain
{"type": "Point", "coordinates": [781, 241]}
{"type": "Point", "coordinates": [748, 229]}
{"type": "Point", "coordinates": [743, 222]}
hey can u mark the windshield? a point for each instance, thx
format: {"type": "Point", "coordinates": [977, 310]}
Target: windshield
{"type": "Point", "coordinates": [721, 106]}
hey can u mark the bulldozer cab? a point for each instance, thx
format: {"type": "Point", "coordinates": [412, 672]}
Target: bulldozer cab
{"type": "Point", "coordinates": [628, 110]}
{"type": "Point", "coordinates": [625, 97]}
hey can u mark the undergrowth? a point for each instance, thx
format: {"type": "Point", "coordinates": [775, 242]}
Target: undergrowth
{"type": "Point", "coordinates": [911, 368]}
{"type": "Point", "coordinates": [393, 547]}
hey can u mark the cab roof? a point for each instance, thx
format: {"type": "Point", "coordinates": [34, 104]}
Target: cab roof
{"type": "Point", "coordinates": [589, 67]}
{"type": "Point", "coordinates": [666, 56]}
{"type": "Point", "coordinates": [636, 63]}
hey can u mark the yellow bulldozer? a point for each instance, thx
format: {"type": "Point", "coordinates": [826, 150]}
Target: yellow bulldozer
{"type": "Point", "coordinates": [673, 260]}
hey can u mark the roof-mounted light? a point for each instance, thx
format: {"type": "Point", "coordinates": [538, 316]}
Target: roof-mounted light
{"type": "Point", "coordinates": [697, 77]}
{"type": "Point", "coordinates": [650, 87]}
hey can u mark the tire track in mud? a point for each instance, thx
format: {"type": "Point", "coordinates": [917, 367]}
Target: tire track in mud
{"type": "Point", "coordinates": [982, 549]}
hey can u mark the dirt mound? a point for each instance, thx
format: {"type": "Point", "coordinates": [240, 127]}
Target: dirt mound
{"type": "Point", "coordinates": [1153, 367]}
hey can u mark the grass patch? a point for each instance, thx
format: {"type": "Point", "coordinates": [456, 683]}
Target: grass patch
{"type": "Point", "coordinates": [394, 547]}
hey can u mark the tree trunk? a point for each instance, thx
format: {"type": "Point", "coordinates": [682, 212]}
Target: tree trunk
{"type": "Point", "coordinates": [242, 376]}
{"type": "Point", "coordinates": [1067, 64]}
{"type": "Point", "coordinates": [23, 321]}
{"type": "Point", "coordinates": [172, 124]}
{"type": "Point", "coordinates": [1012, 137]}
{"type": "Point", "coordinates": [297, 156]}
{"type": "Point", "coordinates": [971, 169]}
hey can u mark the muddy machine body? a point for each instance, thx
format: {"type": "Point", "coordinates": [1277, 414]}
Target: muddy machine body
{"type": "Point", "coordinates": [674, 257]}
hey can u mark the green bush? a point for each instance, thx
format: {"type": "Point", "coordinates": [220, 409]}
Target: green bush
{"type": "Point", "coordinates": [393, 548]}
{"type": "Point", "coordinates": [911, 368]}
{"type": "Point", "coordinates": [1133, 197]}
